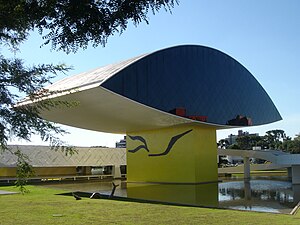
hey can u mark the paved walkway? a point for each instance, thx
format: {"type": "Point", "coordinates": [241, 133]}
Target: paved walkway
{"type": "Point", "coordinates": [7, 192]}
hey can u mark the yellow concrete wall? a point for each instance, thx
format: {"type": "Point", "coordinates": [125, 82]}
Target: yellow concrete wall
{"type": "Point", "coordinates": [8, 172]}
{"type": "Point", "coordinates": [54, 171]}
{"type": "Point", "coordinates": [193, 157]}
{"type": "Point", "coordinates": [41, 171]}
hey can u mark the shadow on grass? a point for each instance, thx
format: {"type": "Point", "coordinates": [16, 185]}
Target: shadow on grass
{"type": "Point", "coordinates": [126, 199]}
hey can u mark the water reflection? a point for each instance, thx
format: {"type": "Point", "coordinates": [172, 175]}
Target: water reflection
{"type": "Point", "coordinates": [296, 193]}
{"type": "Point", "coordinates": [200, 195]}
{"type": "Point", "coordinates": [256, 195]}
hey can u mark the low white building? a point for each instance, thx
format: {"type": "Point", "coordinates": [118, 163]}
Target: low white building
{"type": "Point", "coordinates": [48, 162]}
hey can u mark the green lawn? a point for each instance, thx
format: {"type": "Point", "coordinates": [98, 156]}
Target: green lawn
{"type": "Point", "coordinates": [42, 206]}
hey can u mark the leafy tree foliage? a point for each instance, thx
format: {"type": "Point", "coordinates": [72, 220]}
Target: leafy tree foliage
{"type": "Point", "coordinates": [223, 143]}
{"type": "Point", "coordinates": [69, 25]}
{"type": "Point", "coordinates": [248, 141]}
{"type": "Point", "coordinates": [24, 171]}
{"type": "Point", "coordinates": [292, 146]}
{"type": "Point", "coordinates": [23, 121]}
{"type": "Point", "coordinates": [273, 139]}
{"type": "Point", "coordinates": [66, 25]}
{"type": "Point", "coordinates": [234, 146]}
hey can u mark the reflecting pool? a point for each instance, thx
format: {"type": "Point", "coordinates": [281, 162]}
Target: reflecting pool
{"type": "Point", "coordinates": [256, 195]}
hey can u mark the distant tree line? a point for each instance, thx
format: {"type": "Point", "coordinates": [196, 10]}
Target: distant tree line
{"type": "Point", "coordinates": [273, 139]}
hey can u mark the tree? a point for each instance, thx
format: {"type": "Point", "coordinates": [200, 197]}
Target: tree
{"type": "Point", "coordinates": [296, 145]}
{"type": "Point", "coordinates": [70, 25]}
{"type": "Point", "coordinates": [66, 25]}
{"type": "Point", "coordinates": [274, 138]}
{"type": "Point", "coordinates": [223, 143]}
{"type": "Point", "coordinates": [292, 146]}
{"type": "Point", "coordinates": [247, 142]}
{"type": "Point", "coordinates": [234, 146]}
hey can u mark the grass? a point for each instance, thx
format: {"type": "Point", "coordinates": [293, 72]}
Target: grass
{"type": "Point", "coordinates": [43, 206]}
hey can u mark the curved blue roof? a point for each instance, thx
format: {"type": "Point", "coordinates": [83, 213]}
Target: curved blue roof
{"type": "Point", "coordinates": [205, 82]}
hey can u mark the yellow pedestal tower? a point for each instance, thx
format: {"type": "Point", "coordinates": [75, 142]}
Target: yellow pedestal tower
{"type": "Point", "coordinates": [181, 154]}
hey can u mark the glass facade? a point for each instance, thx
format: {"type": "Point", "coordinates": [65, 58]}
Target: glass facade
{"type": "Point", "coordinates": [203, 82]}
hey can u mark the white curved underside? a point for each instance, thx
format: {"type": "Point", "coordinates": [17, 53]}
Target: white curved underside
{"type": "Point", "coordinates": [102, 110]}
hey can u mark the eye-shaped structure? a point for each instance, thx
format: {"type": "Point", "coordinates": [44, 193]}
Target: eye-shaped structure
{"type": "Point", "coordinates": [178, 85]}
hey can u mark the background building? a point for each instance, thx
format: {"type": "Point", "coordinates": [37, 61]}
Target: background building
{"type": "Point", "coordinates": [49, 163]}
{"type": "Point", "coordinates": [121, 143]}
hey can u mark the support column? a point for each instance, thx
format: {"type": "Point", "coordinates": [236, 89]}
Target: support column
{"type": "Point", "coordinates": [246, 168]}
{"type": "Point", "coordinates": [295, 174]}
{"type": "Point", "coordinates": [289, 170]}
{"type": "Point", "coordinates": [116, 171]}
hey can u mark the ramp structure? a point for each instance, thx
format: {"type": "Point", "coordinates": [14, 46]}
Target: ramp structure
{"type": "Point", "coordinates": [170, 104]}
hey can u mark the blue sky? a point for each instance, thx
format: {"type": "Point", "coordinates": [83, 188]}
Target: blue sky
{"type": "Point", "coordinates": [263, 35]}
